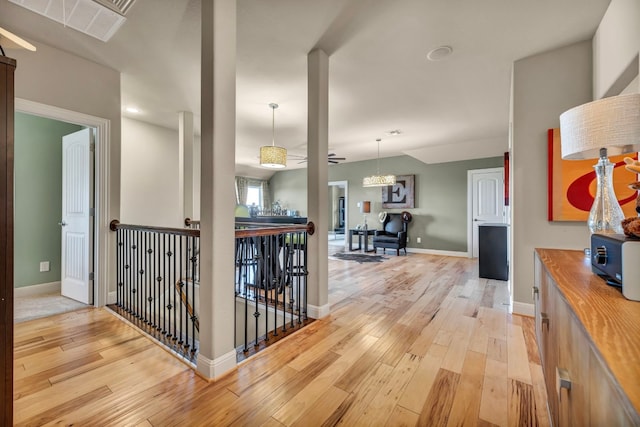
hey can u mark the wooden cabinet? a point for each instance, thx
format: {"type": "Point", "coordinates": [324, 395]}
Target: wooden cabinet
{"type": "Point", "coordinates": [589, 341]}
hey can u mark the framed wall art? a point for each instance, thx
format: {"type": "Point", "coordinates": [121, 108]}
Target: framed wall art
{"type": "Point", "coordinates": [572, 184]}
{"type": "Point", "coordinates": [401, 194]}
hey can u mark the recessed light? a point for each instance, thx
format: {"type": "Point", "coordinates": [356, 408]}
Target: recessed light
{"type": "Point", "coordinates": [439, 53]}
{"type": "Point", "coordinates": [133, 110]}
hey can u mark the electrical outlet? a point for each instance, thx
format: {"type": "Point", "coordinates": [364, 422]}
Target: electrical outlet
{"type": "Point", "coordinates": [419, 240]}
{"type": "Point", "coordinates": [44, 266]}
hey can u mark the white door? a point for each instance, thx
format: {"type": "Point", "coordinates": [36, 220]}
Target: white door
{"type": "Point", "coordinates": [77, 196]}
{"type": "Point", "coordinates": [487, 200]}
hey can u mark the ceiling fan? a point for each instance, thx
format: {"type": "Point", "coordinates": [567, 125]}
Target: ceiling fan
{"type": "Point", "coordinates": [331, 158]}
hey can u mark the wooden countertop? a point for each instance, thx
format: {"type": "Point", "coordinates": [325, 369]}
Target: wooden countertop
{"type": "Point", "coordinates": [609, 319]}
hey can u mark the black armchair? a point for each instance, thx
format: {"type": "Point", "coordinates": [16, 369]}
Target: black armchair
{"type": "Point", "coordinates": [393, 234]}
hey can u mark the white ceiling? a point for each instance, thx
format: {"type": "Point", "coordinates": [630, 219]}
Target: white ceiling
{"type": "Point", "coordinates": [380, 78]}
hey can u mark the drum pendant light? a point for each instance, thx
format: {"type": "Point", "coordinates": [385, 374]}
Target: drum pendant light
{"type": "Point", "coordinates": [272, 156]}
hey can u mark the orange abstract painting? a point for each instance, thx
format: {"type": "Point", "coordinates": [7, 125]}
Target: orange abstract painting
{"type": "Point", "coordinates": [572, 184]}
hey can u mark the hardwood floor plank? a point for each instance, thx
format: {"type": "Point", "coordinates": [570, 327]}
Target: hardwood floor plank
{"type": "Point", "coordinates": [517, 357]}
{"type": "Point", "coordinates": [529, 332]}
{"type": "Point", "coordinates": [52, 413]}
{"type": "Point", "coordinates": [466, 403]}
{"type": "Point", "coordinates": [540, 395]}
{"type": "Point", "coordinates": [488, 295]}
{"type": "Point", "coordinates": [479, 340]}
{"type": "Point", "coordinates": [378, 376]}
{"type": "Point", "coordinates": [522, 408]}
{"type": "Point", "coordinates": [382, 404]}
{"type": "Point", "coordinates": [497, 349]}
{"type": "Point", "coordinates": [418, 388]}
{"type": "Point", "coordinates": [35, 382]}
{"type": "Point", "coordinates": [437, 407]}
{"type": "Point", "coordinates": [401, 417]}
{"type": "Point", "coordinates": [495, 392]}
{"type": "Point", "coordinates": [336, 416]}
{"type": "Point", "coordinates": [405, 336]}
{"type": "Point", "coordinates": [455, 357]}
{"type": "Point", "coordinates": [495, 321]}
{"type": "Point", "coordinates": [322, 409]}
{"type": "Point", "coordinates": [353, 377]}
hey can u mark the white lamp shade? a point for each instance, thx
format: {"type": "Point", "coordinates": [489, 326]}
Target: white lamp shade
{"type": "Point", "coordinates": [612, 123]}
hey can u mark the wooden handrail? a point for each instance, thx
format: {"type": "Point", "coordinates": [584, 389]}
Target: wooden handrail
{"type": "Point", "coordinates": [115, 225]}
{"type": "Point", "coordinates": [248, 232]}
{"type": "Point", "coordinates": [310, 228]}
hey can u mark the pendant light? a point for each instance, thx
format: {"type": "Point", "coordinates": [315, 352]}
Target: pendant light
{"type": "Point", "coordinates": [378, 180]}
{"type": "Point", "coordinates": [272, 156]}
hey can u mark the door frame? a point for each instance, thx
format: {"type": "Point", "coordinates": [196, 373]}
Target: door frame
{"type": "Point", "coordinates": [470, 204]}
{"type": "Point", "coordinates": [345, 185]}
{"type": "Point", "coordinates": [102, 141]}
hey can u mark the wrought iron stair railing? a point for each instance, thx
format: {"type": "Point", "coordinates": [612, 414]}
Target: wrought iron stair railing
{"type": "Point", "coordinates": [157, 272]}
{"type": "Point", "coordinates": [158, 283]}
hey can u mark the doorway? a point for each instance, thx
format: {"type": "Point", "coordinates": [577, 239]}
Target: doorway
{"type": "Point", "coordinates": [485, 203]}
{"type": "Point", "coordinates": [338, 213]}
{"type": "Point", "coordinates": [39, 261]}
{"type": "Point", "coordinates": [100, 236]}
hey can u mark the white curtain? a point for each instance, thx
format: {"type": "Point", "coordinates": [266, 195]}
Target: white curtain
{"type": "Point", "coordinates": [242, 186]}
{"type": "Point", "coordinates": [266, 194]}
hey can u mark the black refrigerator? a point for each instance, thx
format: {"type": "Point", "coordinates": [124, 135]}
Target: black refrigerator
{"type": "Point", "coordinates": [493, 251]}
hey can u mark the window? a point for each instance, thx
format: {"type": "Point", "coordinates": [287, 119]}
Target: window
{"type": "Point", "coordinates": [254, 195]}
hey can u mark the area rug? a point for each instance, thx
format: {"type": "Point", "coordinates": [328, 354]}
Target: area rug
{"type": "Point", "coordinates": [358, 257]}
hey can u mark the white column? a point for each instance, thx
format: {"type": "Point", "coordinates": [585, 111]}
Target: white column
{"type": "Point", "coordinates": [318, 181]}
{"type": "Point", "coordinates": [217, 236]}
{"type": "Point", "coordinates": [185, 159]}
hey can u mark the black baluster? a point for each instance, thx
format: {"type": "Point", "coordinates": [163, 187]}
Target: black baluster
{"type": "Point", "coordinates": [156, 298]}
{"type": "Point", "coordinates": [137, 254]}
{"type": "Point", "coordinates": [119, 267]}
{"type": "Point", "coordinates": [130, 271]}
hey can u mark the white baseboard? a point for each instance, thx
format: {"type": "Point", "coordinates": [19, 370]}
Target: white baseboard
{"type": "Point", "coordinates": [112, 298]}
{"type": "Point", "coordinates": [438, 252]}
{"type": "Point", "coordinates": [318, 312]}
{"type": "Point", "coordinates": [524, 309]}
{"type": "Point", "coordinates": [214, 369]}
{"type": "Point", "coordinates": [41, 289]}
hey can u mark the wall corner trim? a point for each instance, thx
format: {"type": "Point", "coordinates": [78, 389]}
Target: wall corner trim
{"type": "Point", "coordinates": [523, 309]}
{"type": "Point", "coordinates": [318, 312]}
{"type": "Point", "coordinates": [216, 368]}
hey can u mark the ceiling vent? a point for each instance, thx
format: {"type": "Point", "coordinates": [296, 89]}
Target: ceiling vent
{"type": "Point", "coordinates": [97, 18]}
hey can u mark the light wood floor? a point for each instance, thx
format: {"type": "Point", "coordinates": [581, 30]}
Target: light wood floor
{"type": "Point", "coordinates": [415, 340]}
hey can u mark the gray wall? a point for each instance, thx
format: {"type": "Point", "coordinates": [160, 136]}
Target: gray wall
{"type": "Point", "coordinates": [440, 215]}
{"type": "Point", "coordinates": [545, 86]}
{"type": "Point", "coordinates": [38, 197]}
{"type": "Point", "coordinates": [150, 192]}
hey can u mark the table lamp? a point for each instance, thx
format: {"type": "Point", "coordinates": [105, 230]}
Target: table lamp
{"type": "Point", "coordinates": [365, 208]}
{"type": "Point", "coordinates": [594, 130]}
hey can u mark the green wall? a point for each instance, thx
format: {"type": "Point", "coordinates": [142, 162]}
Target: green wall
{"type": "Point", "coordinates": [38, 197]}
{"type": "Point", "coordinates": [440, 215]}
